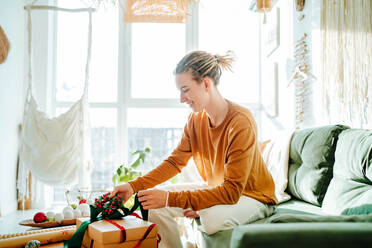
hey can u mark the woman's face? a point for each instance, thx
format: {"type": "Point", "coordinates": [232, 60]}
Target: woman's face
{"type": "Point", "coordinates": [191, 92]}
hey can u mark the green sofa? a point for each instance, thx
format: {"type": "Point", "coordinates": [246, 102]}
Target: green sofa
{"type": "Point", "coordinates": [330, 181]}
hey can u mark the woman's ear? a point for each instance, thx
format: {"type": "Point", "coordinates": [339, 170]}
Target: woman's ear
{"type": "Point", "coordinates": [207, 83]}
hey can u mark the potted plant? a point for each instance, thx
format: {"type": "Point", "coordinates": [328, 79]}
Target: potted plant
{"type": "Point", "coordinates": [125, 173]}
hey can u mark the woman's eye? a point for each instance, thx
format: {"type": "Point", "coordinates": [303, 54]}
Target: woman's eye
{"type": "Point", "coordinates": [185, 90]}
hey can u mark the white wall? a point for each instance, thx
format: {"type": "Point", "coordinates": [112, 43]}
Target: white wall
{"type": "Point", "coordinates": [11, 101]}
{"type": "Point", "coordinates": [286, 115]}
{"type": "Point", "coordinates": [292, 27]}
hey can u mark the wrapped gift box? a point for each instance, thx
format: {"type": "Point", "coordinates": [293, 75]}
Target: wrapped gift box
{"type": "Point", "coordinates": [103, 234]}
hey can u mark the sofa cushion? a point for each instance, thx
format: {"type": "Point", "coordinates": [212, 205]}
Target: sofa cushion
{"type": "Point", "coordinates": [311, 162]}
{"type": "Point", "coordinates": [298, 207]}
{"type": "Point", "coordinates": [218, 239]}
{"type": "Point", "coordinates": [350, 190]}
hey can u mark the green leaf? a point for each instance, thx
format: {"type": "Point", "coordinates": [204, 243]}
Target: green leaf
{"type": "Point", "coordinates": [174, 179]}
{"type": "Point", "coordinates": [135, 164]}
{"type": "Point", "coordinates": [142, 157]}
{"type": "Point", "coordinates": [125, 174]}
{"type": "Point", "coordinates": [125, 178]}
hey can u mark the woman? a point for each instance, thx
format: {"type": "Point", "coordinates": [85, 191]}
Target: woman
{"type": "Point", "coordinates": [221, 136]}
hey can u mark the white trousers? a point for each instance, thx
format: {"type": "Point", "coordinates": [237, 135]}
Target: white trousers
{"type": "Point", "coordinates": [213, 219]}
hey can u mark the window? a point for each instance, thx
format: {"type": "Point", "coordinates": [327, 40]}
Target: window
{"type": "Point", "coordinates": [158, 128]}
{"type": "Point", "coordinates": [156, 49]}
{"type": "Point", "coordinates": [70, 60]}
{"type": "Point", "coordinates": [133, 99]}
{"type": "Point", "coordinates": [228, 25]}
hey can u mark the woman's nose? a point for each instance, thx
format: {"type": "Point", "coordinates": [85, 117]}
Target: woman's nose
{"type": "Point", "coordinates": [182, 98]}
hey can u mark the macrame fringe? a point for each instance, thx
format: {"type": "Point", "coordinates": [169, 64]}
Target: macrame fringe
{"type": "Point", "coordinates": [346, 32]}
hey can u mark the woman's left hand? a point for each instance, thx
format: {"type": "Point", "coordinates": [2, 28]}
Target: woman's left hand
{"type": "Point", "coordinates": [153, 198]}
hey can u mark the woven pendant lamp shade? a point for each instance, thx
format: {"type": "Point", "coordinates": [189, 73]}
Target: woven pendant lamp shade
{"type": "Point", "coordinates": [264, 6]}
{"type": "Point", "coordinates": [4, 46]}
{"type": "Point", "coordinates": [166, 11]}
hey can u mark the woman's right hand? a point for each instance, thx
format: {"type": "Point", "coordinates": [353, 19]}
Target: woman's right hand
{"type": "Point", "coordinates": [191, 214]}
{"type": "Point", "coordinates": [124, 191]}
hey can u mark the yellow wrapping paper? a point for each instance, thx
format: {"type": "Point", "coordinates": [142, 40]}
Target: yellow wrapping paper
{"type": "Point", "coordinates": [45, 236]}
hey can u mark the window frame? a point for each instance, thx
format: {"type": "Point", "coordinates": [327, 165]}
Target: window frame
{"type": "Point", "coordinates": [124, 99]}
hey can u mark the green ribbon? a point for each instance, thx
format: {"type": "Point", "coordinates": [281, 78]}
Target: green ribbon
{"type": "Point", "coordinates": [77, 238]}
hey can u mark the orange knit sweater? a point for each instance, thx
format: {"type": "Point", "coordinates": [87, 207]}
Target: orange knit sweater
{"type": "Point", "coordinates": [227, 157]}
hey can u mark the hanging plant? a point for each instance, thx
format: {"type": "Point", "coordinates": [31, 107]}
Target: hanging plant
{"type": "Point", "coordinates": [4, 46]}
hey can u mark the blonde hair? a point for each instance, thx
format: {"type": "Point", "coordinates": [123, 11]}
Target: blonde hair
{"type": "Point", "coordinates": [203, 64]}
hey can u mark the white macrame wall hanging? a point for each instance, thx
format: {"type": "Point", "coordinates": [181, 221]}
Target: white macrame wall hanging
{"type": "Point", "coordinates": [301, 78]}
{"type": "Point", "coordinates": [346, 39]}
{"type": "Point", "coordinates": [55, 150]}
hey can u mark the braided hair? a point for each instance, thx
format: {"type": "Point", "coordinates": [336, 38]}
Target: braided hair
{"type": "Point", "coordinates": [203, 64]}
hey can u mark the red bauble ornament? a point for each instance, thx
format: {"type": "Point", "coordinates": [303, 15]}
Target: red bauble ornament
{"type": "Point", "coordinates": [40, 217]}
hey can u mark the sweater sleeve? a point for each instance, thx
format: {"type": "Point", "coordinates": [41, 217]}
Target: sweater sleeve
{"type": "Point", "coordinates": [170, 166]}
{"type": "Point", "coordinates": [242, 148]}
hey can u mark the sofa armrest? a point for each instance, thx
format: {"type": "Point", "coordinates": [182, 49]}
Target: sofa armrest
{"type": "Point", "coordinates": [302, 235]}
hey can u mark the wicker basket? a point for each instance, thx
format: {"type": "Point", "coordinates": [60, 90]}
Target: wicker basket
{"type": "Point", "coordinates": [4, 46]}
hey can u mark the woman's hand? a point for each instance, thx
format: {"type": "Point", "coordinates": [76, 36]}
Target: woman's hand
{"type": "Point", "coordinates": [191, 214]}
{"type": "Point", "coordinates": [153, 198]}
{"type": "Point", "coordinates": [124, 191]}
